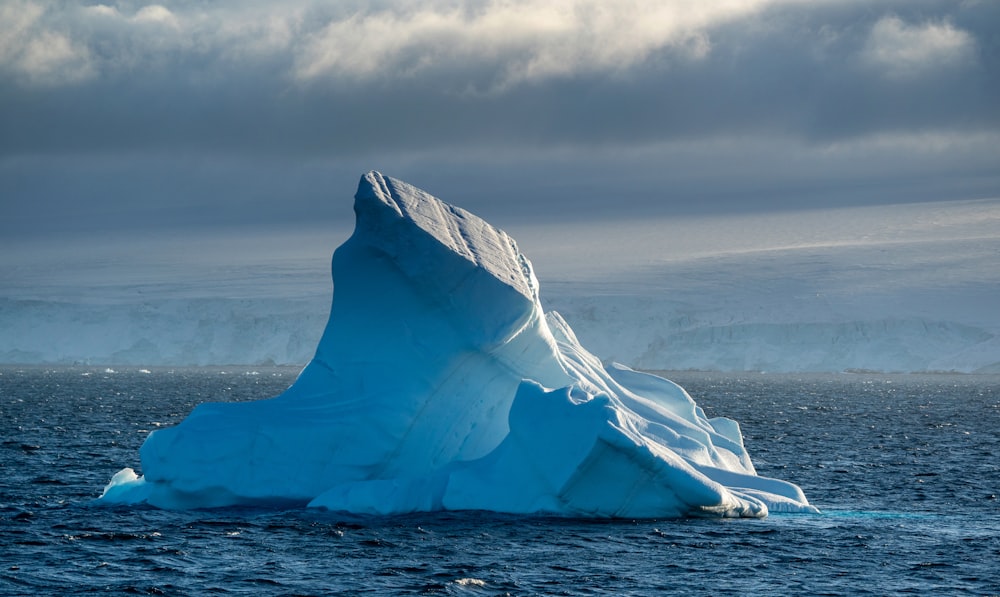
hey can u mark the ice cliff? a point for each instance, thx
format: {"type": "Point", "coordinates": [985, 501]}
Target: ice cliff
{"type": "Point", "coordinates": [664, 333]}
{"type": "Point", "coordinates": [441, 383]}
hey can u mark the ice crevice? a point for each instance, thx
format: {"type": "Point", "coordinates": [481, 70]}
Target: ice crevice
{"type": "Point", "coordinates": [441, 383]}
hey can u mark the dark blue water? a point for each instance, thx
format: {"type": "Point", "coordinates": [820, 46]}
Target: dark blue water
{"type": "Point", "coordinates": [905, 469]}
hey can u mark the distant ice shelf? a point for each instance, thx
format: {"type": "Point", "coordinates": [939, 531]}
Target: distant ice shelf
{"type": "Point", "coordinates": [161, 332]}
{"type": "Point", "coordinates": [440, 383]}
{"type": "Point", "coordinates": [664, 335]}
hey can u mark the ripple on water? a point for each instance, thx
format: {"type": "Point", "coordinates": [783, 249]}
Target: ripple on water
{"type": "Point", "coordinates": [906, 479]}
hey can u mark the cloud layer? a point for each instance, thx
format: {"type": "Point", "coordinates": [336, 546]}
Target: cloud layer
{"type": "Point", "coordinates": [130, 92]}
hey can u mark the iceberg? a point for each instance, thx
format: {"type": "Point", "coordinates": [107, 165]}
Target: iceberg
{"type": "Point", "coordinates": [440, 383]}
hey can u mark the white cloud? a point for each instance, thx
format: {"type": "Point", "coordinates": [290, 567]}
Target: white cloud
{"type": "Point", "coordinates": [521, 40]}
{"type": "Point", "coordinates": [208, 39]}
{"type": "Point", "coordinates": [51, 44]}
{"type": "Point", "coordinates": [503, 41]}
{"type": "Point", "coordinates": [904, 50]}
{"type": "Point", "coordinates": [499, 43]}
{"type": "Point", "coordinates": [104, 10]}
{"type": "Point", "coordinates": [16, 22]}
{"type": "Point", "coordinates": [37, 53]}
{"type": "Point", "coordinates": [348, 76]}
{"type": "Point", "coordinates": [154, 13]}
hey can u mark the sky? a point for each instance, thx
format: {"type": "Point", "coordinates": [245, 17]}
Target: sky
{"type": "Point", "coordinates": [755, 160]}
{"type": "Point", "coordinates": [139, 118]}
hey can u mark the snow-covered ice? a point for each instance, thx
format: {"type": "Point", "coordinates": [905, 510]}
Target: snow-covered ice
{"type": "Point", "coordinates": [441, 383]}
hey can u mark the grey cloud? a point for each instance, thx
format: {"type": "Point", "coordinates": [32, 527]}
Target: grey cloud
{"type": "Point", "coordinates": [240, 109]}
{"type": "Point", "coordinates": [104, 194]}
{"type": "Point", "coordinates": [788, 69]}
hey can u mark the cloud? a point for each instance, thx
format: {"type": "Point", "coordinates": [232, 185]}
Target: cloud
{"type": "Point", "coordinates": [519, 41]}
{"type": "Point", "coordinates": [154, 13]}
{"type": "Point", "coordinates": [905, 50]}
{"type": "Point", "coordinates": [36, 54]}
{"type": "Point", "coordinates": [126, 103]}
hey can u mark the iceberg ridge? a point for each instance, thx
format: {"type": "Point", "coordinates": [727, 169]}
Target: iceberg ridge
{"type": "Point", "coordinates": [441, 383]}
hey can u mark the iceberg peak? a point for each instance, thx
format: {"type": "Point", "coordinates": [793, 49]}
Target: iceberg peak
{"type": "Point", "coordinates": [441, 383]}
{"type": "Point", "coordinates": [383, 205]}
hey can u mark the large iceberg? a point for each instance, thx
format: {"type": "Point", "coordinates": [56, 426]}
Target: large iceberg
{"type": "Point", "coordinates": [441, 384]}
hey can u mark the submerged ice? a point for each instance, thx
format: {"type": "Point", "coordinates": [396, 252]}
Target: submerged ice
{"type": "Point", "coordinates": [441, 384]}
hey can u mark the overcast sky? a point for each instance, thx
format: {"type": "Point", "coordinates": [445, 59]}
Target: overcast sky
{"type": "Point", "coordinates": [193, 115]}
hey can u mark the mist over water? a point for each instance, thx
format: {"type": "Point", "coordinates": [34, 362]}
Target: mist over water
{"type": "Point", "coordinates": [902, 466]}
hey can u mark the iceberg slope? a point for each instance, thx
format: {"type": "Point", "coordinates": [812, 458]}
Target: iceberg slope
{"type": "Point", "coordinates": [440, 383]}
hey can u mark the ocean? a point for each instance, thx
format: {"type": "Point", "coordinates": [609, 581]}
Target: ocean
{"type": "Point", "coordinates": [904, 468]}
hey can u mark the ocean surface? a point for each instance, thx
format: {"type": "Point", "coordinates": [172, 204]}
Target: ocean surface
{"type": "Point", "coordinates": [905, 468]}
